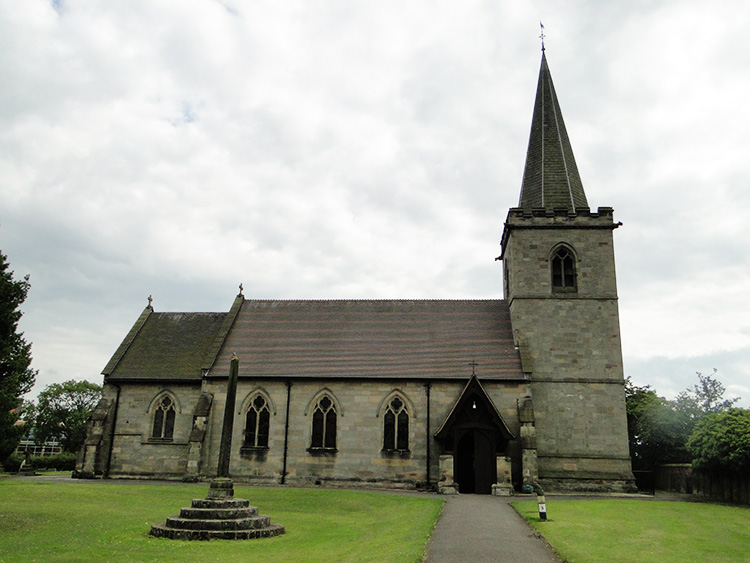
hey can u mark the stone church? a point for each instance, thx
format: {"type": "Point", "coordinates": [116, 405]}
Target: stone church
{"type": "Point", "coordinates": [469, 396]}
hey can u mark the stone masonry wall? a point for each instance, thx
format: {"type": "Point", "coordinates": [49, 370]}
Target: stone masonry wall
{"type": "Point", "coordinates": [134, 453]}
{"type": "Point", "coordinates": [570, 344]}
{"type": "Point", "coordinates": [359, 459]}
{"type": "Point", "coordinates": [528, 249]}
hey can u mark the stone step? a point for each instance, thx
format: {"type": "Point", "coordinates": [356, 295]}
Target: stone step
{"type": "Point", "coordinates": [220, 503]}
{"type": "Point", "coordinates": [161, 531]}
{"type": "Point", "coordinates": [254, 522]}
{"type": "Point", "coordinates": [218, 513]}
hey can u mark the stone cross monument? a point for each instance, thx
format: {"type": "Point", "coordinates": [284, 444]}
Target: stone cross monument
{"type": "Point", "coordinates": [220, 515]}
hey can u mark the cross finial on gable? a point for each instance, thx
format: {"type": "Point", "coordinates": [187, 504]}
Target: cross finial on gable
{"type": "Point", "coordinates": [473, 364]}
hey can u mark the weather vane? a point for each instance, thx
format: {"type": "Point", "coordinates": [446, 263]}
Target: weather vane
{"type": "Point", "coordinates": [541, 36]}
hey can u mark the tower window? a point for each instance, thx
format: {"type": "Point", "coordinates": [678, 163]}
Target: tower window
{"type": "Point", "coordinates": [257, 422]}
{"type": "Point", "coordinates": [324, 425]}
{"type": "Point", "coordinates": [563, 270]}
{"type": "Point", "coordinates": [164, 420]}
{"type": "Point", "coordinates": [396, 427]}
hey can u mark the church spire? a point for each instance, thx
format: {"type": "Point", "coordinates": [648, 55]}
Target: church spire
{"type": "Point", "coordinates": [550, 178]}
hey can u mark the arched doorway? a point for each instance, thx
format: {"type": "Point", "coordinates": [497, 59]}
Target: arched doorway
{"type": "Point", "coordinates": [474, 463]}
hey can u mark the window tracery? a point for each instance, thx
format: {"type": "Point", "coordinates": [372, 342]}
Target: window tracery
{"type": "Point", "coordinates": [257, 423]}
{"type": "Point", "coordinates": [396, 426]}
{"type": "Point", "coordinates": [324, 424]}
{"type": "Point", "coordinates": [564, 270]}
{"type": "Point", "coordinates": [164, 416]}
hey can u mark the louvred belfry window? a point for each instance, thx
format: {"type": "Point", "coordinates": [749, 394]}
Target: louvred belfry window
{"type": "Point", "coordinates": [563, 270]}
{"type": "Point", "coordinates": [257, 423]}
{"type": "Point", "coordinates": [164, 420]}
{"type": "Point", "coordinates": [396, 426]}
{"type": "Point", "coordinates": [324, 425]}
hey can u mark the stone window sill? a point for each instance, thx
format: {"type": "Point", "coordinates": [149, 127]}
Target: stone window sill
{"type": "Point", "coordinates": [557, 289]}
{"type": "Point", "coordinates": [163, 442]}
{"type": "Point", "coordinates": [322, 452]}
{"type": "Point", "coordinates": [251, 449]}
{"type": "Point", "coordinates": [396, 453]}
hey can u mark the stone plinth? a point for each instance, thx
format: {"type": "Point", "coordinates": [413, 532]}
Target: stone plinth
{"type": "Point", "coordinates": [446, 485]}
{"type": "Point", "coordinates": [217, 519]}
{"type": "Point", "coordinates": [213, 519]}
{"type": "Point", "coordinates": [220, 516]}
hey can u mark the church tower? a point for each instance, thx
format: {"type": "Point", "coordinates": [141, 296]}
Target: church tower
{"type": "Point", "coordinates": [559, 274]}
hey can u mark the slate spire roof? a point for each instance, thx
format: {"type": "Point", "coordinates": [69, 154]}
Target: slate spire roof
{"type": "Point", "coordinates": [550, 178]}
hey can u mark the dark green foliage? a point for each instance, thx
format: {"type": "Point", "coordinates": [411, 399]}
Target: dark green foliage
{"type": "Point", "coordinates": [16, 377]}
{"type": "Point", "coordinates": [64, 461]}
{"type": "Point", "coordinates": [659, 429]}
{"type": "Point", "coordinates": [663, 430]}
{"type": "Point", "coordinates": [638, 401]}
{"type": "Point", "coordinates": [721, 442]}
{"type": "Point", "coordinates": [63, 409]}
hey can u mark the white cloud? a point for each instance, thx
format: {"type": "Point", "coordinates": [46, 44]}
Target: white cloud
{"type": "Point", "coordinates": [351, 149]}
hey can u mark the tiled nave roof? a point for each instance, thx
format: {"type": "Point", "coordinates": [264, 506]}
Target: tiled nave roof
{"type": "Point", "coordinates": [413, 339]}
{"type": "Point", "coordinates": [407, 339]}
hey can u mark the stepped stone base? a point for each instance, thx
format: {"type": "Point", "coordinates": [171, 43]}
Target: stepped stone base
{"type": "Point", "coordinates": [223, 518]}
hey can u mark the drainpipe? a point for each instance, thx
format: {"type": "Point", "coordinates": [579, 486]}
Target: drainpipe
{"type": "Point", "coordinates": [286, 430]}
{"type": "Point", "coordinates": [112, 434]}
{"type": "Point", "coordinates": [427, 389]}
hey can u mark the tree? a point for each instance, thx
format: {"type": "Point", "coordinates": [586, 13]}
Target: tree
{"type": "Point", "coordinates": [63, 409]}
{"type": "Point", "coordinates": [664, 429]}
{"type": "Point", "coordinates": [16, 377]}
{"type": "Point", "coordinates": [659, 429]}
{"type": "Point", "coordinates": [638, 401]}
{"type": "Point", "coordinates": [706, 397]}
{"type": "Point", "coordinates": [721, 442]}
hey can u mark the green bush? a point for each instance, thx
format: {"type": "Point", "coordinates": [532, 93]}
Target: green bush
{"type": "Point", "coordinates": [721, 442]}
{"type": "Point", "coordinates": [64, 461]}
{"type": "Point", "coordinates": [12, 462]}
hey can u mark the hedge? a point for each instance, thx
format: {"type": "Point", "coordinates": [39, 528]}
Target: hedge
{"type": "Point", "coordinates": [64, 461]}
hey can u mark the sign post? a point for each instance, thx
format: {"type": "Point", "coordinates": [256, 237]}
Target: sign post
{"type": "Point", "coordinates": [542, 504]}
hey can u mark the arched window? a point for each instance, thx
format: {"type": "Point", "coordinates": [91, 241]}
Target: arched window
{"type": "Point", "coordinates": [324, 424]}
{"type": "Point", "coordinates": [257, 422]}
{"type": "Point", "coordinates": [564, 270]}
{"type": "Point", "coordinates": [164, 419]}
{"type": "Point", "coordinates": [396, 426]}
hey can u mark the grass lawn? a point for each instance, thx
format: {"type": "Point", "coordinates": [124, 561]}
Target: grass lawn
{"type": "Point", "coordinates": [110, 522]}
{"type": "Point", "coordinates": [623, 530]}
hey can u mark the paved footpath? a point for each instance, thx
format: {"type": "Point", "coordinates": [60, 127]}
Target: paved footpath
{"type": "Point", "coordinates": [483, 528]}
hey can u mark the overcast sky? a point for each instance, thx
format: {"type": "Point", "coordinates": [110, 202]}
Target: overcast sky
{"type": "Point", "coordinates": [351, 149]}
